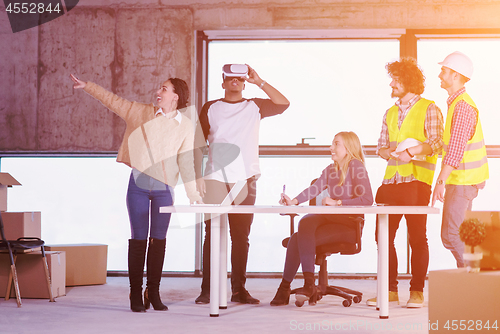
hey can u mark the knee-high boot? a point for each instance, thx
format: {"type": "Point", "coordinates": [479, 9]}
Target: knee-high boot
{"type": "Point", "coordinates": [156, 255]}
{"type": "Point", "coordinates": [136, 256]}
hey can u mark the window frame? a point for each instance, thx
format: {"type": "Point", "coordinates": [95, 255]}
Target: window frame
{"type": "Point", "coordinates": [408, 39]}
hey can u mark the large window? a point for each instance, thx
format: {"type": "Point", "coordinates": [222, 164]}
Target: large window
{"type": "Point", "coordinates": [333, 85]}
{"type": "Point", "coordinates": [82, 200]}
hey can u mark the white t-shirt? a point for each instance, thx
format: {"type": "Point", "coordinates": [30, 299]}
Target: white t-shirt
{"type": "Point", "coordinates": [232, 131]}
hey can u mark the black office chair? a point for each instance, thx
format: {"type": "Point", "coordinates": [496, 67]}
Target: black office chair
{"type": "Point", "coordinates": [17, 245]}
{"type": "Point", "coordinates": [350, 246]}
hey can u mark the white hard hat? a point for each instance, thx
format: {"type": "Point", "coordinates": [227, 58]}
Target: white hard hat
{"type": "Point", "coordinates": [460, 63]}
{"type": "Point", "coordinates": [407, 143]}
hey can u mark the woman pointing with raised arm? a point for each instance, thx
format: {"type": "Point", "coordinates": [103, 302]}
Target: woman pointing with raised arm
{"type": "Point", "coordinates": [163, 131]}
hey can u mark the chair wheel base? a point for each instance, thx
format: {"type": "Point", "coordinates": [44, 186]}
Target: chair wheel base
{"type": "Point", "coordinates": [346, 302]}
{"type": "Point", "coordinates": [349, 295]}
{"type": "Point", "coordinates": [300, 300]}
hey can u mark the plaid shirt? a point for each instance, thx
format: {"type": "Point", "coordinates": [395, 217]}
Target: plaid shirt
{"type": "Point", "coordinates": [433, 129]}
{"type": "Point", "coordinates": [463, 127]}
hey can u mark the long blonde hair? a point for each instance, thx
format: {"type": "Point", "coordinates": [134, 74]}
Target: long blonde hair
{"type": "Point", "coordinates": [354, 151]}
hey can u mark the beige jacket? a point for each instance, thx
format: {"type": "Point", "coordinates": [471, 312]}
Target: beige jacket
{"type": "Point", "coordinates": [157, 146]}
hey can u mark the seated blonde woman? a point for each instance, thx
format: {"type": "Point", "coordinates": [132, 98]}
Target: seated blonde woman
{"type": "Point", "coordinates": [347, 182]}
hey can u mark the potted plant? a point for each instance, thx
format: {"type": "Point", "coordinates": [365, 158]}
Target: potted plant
{"type": "Point", "coordinates": [472, 232]}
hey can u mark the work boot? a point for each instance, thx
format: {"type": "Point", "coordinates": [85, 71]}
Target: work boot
{"type": "Point", "coordinates": [243, 296]}
{"type": "Point", "coordinates": [393, 297]}
{"type": "Point", "coordinates": [416, 299]}
{"type": "Point", "coordinates": [203, 298]}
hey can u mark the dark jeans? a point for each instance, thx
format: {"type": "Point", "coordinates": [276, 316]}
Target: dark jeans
{"type": "Point", "coordinates": [315, 230]}
{"type": "Point", "coordinates": [239, 230]}
{"type": "Point", "coordinates": [407, 194]}
{"type": "Point", "coordinates": [144, 199]}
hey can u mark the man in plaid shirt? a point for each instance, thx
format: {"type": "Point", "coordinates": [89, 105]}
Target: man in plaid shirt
{"type": "Point", "coordinates": [410, 172]}
{"type": "Point", "coordinates": [464, 168]}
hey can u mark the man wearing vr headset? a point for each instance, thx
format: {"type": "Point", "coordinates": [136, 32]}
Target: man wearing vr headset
{"type": "Point", "coordinates": [231, 127]}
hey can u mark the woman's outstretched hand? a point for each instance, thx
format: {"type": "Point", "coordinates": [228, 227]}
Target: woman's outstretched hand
{"type": "Point", "coordinates": [79, 84]}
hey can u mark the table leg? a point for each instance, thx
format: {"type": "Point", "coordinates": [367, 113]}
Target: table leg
{"type": "Point", "coordinates": [379, 284]}
{"type": "Point", "coordinates": [223, 262]}
{"type": "Point", "coordinates": [215, 265]}
{"type": "Point", "coordinates": [383, 267]}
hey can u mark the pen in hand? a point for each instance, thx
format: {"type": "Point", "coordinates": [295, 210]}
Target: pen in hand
{"type": "Point", "coordinates": [282, 201]}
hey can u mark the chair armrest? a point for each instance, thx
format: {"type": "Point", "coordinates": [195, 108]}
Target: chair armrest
{"type": "Point", "coordinates": [29, 239]}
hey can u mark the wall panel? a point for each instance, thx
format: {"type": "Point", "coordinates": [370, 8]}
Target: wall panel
{"type": "Point", "coordinates": [131, 46]}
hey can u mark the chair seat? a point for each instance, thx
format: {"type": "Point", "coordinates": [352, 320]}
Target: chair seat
{"type": "Point", "coordinates": [345, 248]}
{"type": "Point", "coordinates": [349, 247]}
{"type": "Point", "coordinates": [22, 244]}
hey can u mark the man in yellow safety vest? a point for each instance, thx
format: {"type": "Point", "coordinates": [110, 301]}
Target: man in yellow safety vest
{"type": "Point", "coordinates": [410, 140]}
{"type": "Point", "coordinates": [464, 168]}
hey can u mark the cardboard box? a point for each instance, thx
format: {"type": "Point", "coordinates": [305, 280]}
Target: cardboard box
{"type": "Point", "coordinates": [459, 300]}
{"type": "Point", "coordinates": [22, 224]}
{"type": "Point", "coordinates": [31, 275]}
{"type": "Point", "coordinates": [6, 180]}
{"type": "Point", "coordinates": [490, 247]}
{"type": "Point", "coordinates": [86, 264]}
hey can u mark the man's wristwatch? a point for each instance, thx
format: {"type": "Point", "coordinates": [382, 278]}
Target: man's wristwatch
{"type": "Point", "coordinates": [439, 182]}
{"type": "Point", "coordinates": [408, 151]}
{"type": "Point", "coordinates": [339, 202]}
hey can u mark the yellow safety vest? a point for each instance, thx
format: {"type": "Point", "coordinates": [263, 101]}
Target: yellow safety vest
{"type": "Point", "coordinates": [413, 126]}
{"type": "Point", "coordinates": [473, 169]}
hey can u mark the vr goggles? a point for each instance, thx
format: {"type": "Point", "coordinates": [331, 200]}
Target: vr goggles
{"type": "Point", "coordinates": [234, 71]}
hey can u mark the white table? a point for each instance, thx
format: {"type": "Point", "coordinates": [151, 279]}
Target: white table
{"type": "Point", "coordinates": [218, 251]}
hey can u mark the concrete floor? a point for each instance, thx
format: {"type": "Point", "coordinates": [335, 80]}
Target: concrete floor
{"type": "Point", "coordinates": [105, 309]}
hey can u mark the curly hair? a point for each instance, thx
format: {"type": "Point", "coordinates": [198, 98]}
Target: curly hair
{"type": "Point", "coordinates": [182, 90]}
{"type": "Point", "coordinates": [408, 73]}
